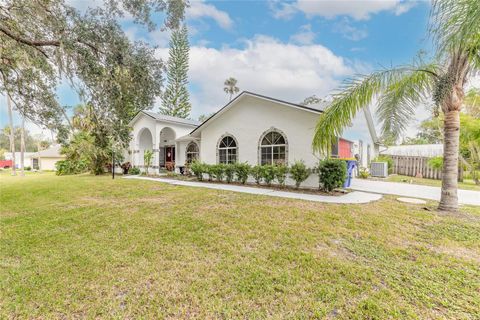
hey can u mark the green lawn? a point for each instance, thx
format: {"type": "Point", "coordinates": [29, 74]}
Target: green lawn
{"type": "Point", "coordinates": [90, 247]}
{"type": "Point", "coordinates": [466, 184]}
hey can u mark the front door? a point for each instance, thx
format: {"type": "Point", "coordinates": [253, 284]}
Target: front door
{"type": "Point", "coordinates": [169, 154]}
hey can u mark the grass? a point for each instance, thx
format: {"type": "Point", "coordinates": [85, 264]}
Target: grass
{"type": "Point", "coordinates": [466, 184]}
{"type": "Point", "coordinates": [90, 247]}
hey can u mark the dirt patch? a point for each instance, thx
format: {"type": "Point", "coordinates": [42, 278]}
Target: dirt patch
{"type": "Point", "coordinates": [335, 248]}
{"type": "Point", "coordinates": [457, 252]}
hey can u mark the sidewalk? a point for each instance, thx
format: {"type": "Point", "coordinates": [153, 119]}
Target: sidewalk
{"type": "Point", "coordinates": [349, 198]}
{"type": "Point", "coordinates": [413, 190]}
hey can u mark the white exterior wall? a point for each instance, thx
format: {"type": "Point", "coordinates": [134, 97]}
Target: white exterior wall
{"type": "Point", "coordinates": [249, 119]}
{"type": "Point", "coordinates": [48, 163]}
{"type": "Point", "coordinates": [155, 127]}
{"type": "Point", "coordinates": [182, 151]}
{"type": "Point", "coordinates": [27, 159]}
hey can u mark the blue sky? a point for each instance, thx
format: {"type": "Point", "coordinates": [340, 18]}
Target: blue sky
{"type": "Point", "coordinates": [288, 50]}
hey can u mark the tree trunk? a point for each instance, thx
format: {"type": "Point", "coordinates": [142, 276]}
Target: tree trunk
{"type": "Point", "coordinates": [449, 198]}
{"type": "Point", "coordinates": [12, 135]}
{"type": "Point", "coordinates": [39, 159]}
{"type": "Point", "coordinates": [22, 148]}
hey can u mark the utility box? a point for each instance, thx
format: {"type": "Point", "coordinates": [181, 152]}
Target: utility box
{"type": "Point", "coordinates": [379, 169]}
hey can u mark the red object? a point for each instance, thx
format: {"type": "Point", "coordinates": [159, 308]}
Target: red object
{"type": "Point", "coordinates": [6, 163]}
{"type": "Point", "coordinates": [345, 148]}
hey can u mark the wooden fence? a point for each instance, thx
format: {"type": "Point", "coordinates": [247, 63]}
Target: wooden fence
{"type": "Point", "coordinates": [413, 166]}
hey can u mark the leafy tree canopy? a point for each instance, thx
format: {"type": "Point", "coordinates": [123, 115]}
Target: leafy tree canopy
{"type": "Point", "coordinates": [45, 42]}
{"type": "Point", "coordinates": [31, 141]}
{"type": "Point", "coordinates": [472, 103]}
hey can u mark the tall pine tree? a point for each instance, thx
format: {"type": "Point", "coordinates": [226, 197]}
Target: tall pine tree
{"type": "Point", "coordinates": [176, 100]}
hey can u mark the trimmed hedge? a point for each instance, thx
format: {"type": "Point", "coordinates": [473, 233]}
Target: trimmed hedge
{"type": "Point", "coordinates": [299, 172]}
{"type": "Point", "coordinates": [331, 174]}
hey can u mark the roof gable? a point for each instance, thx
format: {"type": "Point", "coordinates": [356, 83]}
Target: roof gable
{"type": "Point", "coordinates": [165, 118]}
{"type": "Point", "coordinates": [243, 94]}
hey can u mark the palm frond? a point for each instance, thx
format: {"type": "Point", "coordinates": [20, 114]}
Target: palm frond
{"type": "Point", "coordinates": [360, 92]}
{"type": "Point", "coordinates": [456, 24]}
{"type": "Point", "coordinates": [397, 104]}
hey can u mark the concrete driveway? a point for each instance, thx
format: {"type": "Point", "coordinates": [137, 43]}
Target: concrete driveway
{"type": "Point", "coordinates": [412, 190]}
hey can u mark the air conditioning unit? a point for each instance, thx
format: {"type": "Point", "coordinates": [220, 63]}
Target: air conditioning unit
{"type": "Point", "coordinates": [379, 169]}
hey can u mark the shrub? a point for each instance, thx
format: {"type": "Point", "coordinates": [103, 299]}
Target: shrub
{"type": "Point", "coordinates": [436, 163]}
{"type": "Point", "coordinates": [147, 158]}
{"type": "Point", "coordinates": [387, 159]}
{"type": "Point", "coordinates": [198, 169]}
{"type": "Point", "coordinates": [66, 167]}
{"type": "Point", "coordinates": [299, 172]}
{"type": "Point", "coordinates": [27, 168]}
{"type": "Point", "coordinates": [242, 170]}
{"type": "Point", "coordinates": [363, 173]}
{"type": "Point", "coordinates": [268, 173]}
{"type": "Point", "coordinates": [281, 171]}
{"type": "Point", "coordinates": [126, 167]}
{"type": "Point", "coordinates": [257, 173]}
{"type": "Point", "coordinates": [331, 174]}
{"type": "Point", "coordinates": [218, 171]}
{"type": "Point", "coordinates": [134, 171]}
{"type": "Point", "coordinates": [229, 172]}
{"type": "Point", "coordinates": [209, 170]}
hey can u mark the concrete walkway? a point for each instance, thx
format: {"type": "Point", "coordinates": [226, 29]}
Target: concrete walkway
{"type": "Point", "coordinates": [413, 190]}
{"type": "Point", "coordinates": [352, 197]}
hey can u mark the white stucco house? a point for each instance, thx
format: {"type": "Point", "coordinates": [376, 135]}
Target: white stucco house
{"type": "Point", "coordinates": [27, 158]}
{"type": "Point", "coordinates": [46, 159]}
{"type": "Point", "coordinates": [251, 128]}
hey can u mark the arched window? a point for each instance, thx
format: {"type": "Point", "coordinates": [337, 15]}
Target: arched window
{"type": "Point", "coordinates": [273, 148]}
{"type": "Point", "coordinates": [227, 150]}
{"type": "Point", "coordinates": [192, 152]}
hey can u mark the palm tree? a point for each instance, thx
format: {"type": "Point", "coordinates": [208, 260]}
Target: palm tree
{"type": "Point", "coordinates": [231, 87]}
{"type": "Point", "coordinates": [455, 28]}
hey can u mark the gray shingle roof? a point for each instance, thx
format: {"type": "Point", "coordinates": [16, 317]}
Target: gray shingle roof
{"type": "Point", "coordinates": [159, 116]}
{"type": "Point", "coordinates": [51, 152]}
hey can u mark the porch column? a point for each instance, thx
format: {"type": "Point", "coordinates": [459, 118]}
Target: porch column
{"type": "Point", "coordinates": [135, 154]}
{"type": "Point", "coordinates": [155, 161]}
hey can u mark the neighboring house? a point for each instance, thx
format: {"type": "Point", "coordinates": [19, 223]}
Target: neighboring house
{"type": "Point", "coordinates": [46, 159]}
{"type": "Point", "coordinates": [251, 128]}
{"type": "Point", "coordinates": [27, 158]}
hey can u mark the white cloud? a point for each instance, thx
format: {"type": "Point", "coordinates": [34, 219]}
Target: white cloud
{"type": "Point", "coordinates": [348, 31]}
{"type": "Point", "coordinates": [357, 9]}
{"type": "Point", "coordinates": [266, 66]}
{"type": "Point", "coordinates": [304, 36]}
{"type": "Point", "coordinates": [199, 9]}
{"type": "Point", "coordinates": [282, 10]}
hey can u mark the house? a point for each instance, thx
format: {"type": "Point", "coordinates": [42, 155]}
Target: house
{"type": "Point", "coordinates": [251, 128]}
{"type": "Point", "coordinates": [27, 158]}
{"type": "Point", "coordinates": [46, 159]}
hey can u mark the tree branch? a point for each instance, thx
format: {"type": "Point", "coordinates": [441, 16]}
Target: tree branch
{"type": "Point", "coordinates": [33, 43]}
